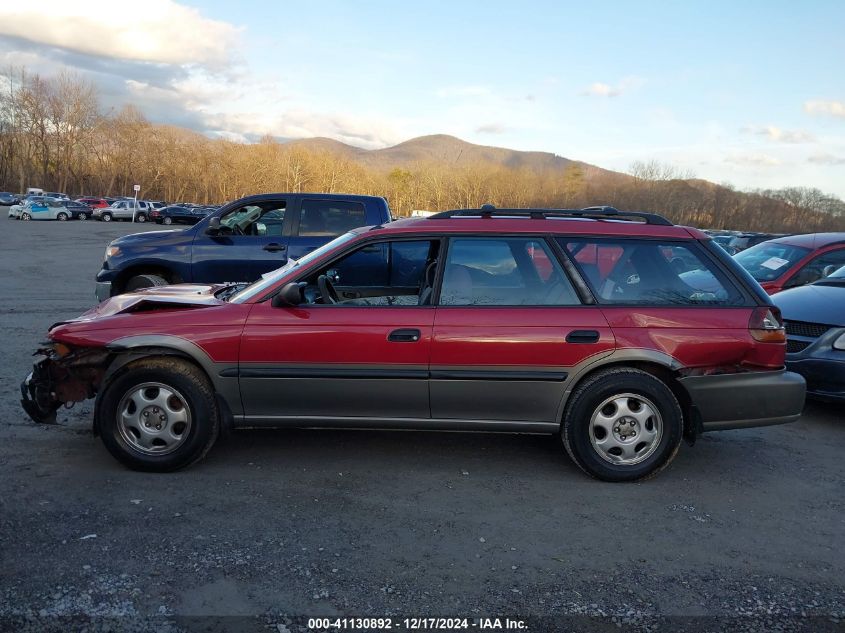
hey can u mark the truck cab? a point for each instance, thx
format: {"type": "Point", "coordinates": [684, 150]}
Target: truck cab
{"type": "Point", "coordinates": [238, 243]}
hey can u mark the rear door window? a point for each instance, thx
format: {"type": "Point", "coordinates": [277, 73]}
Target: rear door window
{"type": "Point", "coordinates": [504, 272]}
{"type": "Point", "coordinates": [650, 272]}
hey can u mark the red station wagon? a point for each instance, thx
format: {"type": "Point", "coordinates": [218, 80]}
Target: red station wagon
{"type": "Point", "coordinates": [569, 322]}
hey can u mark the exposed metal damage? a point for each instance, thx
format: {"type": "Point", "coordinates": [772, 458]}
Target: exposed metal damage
{"type": "Point", "coordinates": [63, 377]}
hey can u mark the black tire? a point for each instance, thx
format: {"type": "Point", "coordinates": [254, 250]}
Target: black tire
{"type": "Point", "coordinates": [584, 403]}
{"type": "Point", "coordinates": [62, 217]}
{"type": "Point", "coordinates": [167, 220]}
{"type": "Point", "coordinates": [106, 217]}
{"type": "Point", "coordinates": [26, 216]}
{"type": "Point", "coordinates": [190, 382]}
{"type": "Point", "coordinates": [144, 281]}
{"type": "Point", "coordinates": [141, 217]}
{"type": "Point", "coordinates": [83, 216]}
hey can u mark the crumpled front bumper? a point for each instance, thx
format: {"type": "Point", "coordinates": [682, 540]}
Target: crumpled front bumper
{"type": "Point", "coordinates": [38, 396]}
{"type": "Point", "coordinates": [62, 379]}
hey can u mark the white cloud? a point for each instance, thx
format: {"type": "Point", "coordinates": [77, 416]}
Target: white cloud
{"type": "Point", "coordinates": [491, 128]}
{"type": "Point", "coordinates": [755, 160]}
{"type": "Point", "coordinates": [826, 159]}
{"type": "Point", "coordinates": [599, 89]}
{"type": "Point", "coordinates": [780, 135]}
{"type": "Point", "coordinates": [829, 108]}
{"type": "Point", "coordinates": [157, 31]}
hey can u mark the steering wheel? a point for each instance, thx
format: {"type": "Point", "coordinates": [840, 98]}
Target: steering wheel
{"type": "Point", "coordinates": [327, 292]}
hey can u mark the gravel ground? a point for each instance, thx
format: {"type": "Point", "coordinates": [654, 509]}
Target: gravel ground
{"type": "Point", "coordinates": [743, 531]}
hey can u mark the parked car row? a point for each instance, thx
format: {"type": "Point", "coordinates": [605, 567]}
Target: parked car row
{"type": "Point", "coordinates": [46, 207]}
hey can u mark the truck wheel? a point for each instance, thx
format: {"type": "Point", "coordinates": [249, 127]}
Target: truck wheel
{"type": "Point", "coordinates": [622, 425]}
{"type": "Point", "coordinates": [62, 217]}
{"type": "Point", "coordinates": [144, 281]}
{"type": "Point", "coordinates": [158, 415]}
{"type": "Point", "coordinates": [106, 217]}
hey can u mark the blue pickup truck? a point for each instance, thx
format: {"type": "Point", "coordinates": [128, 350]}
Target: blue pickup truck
{"type": "Point", "coordinates": [240, 242]}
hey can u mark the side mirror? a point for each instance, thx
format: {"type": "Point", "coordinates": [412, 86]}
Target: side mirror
{"type": "Point", "coordinates": [213, 227]}
{"type": "Point", "coordinates": [289, 295]}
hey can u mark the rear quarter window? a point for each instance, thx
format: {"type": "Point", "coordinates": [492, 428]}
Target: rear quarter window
{"type": "Point", "coordinates": [651, 272]}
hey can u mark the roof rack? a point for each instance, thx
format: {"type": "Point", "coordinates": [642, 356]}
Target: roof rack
{"type": "Point", "coordinates": [598, 213]}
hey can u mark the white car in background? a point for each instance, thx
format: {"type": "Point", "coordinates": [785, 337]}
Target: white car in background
{"type": "Point", "coordinates": [41, 208]}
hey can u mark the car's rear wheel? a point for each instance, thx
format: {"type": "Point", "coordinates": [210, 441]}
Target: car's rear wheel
{"type": "Point", "coordinates": [138, 282]}
{"type": "Point", "coordinates": [141, 217]}
{"type": "Point", "coordinates": [83, 216]}
{"type": "Point", "coordinates": [167, 220]}
{"type": "Point", "coordinates": [158, 415]}
{"type": "Point", "coordinates": [622, 425]}
{"type": "Point", "coordinates": [106, 217]}
{"type": "Point", "coordinates": [62, 217]}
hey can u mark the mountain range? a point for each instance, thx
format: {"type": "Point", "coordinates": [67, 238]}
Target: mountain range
{"type": "Point", "coordinates": [445, 149]}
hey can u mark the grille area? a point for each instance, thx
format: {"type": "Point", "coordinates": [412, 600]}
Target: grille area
{"type": "Point", "coordinates": [810, 330]}
{"type": "Point", "coordinates": [793, 346]}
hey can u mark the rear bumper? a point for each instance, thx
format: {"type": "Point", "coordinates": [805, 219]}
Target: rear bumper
{"type": "Point", "coordinates": [739, 401]}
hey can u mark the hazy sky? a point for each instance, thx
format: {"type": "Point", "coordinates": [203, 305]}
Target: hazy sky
{"type": "Point", "coordinates": [751, 93]}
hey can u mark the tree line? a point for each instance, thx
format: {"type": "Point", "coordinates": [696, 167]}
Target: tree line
{"type": "Point", "coordinates": [55, 135]}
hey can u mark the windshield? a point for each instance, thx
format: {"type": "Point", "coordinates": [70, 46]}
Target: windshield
{"type": "Point", "coordinates": [769, 260]}
{"type": "Point", "coordinates": [270, 278]}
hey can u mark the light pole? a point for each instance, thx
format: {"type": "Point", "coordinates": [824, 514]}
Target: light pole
{"type": "Point", "coordinates": [137, 188]}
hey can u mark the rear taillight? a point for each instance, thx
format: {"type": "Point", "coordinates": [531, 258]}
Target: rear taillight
{"type": "Point", "coordinates": [765, 325]}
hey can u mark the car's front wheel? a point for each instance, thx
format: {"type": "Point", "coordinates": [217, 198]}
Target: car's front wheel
{"type": "Point", "coordinates": [83, 216]}
{"type": "Point", "coordinates": [106, 217]}
{"type": "Point", "coordinates": [26, 216]}
{"type": "Point", "coordinates": [62, 217]}
{"type": "Point", "coordinates": [158, 415]}
{"type": "Point", "coordinates": [622, 424]}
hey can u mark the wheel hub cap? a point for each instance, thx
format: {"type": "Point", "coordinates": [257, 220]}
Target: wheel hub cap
{"type": "Point", "coordinates": [626, 429]}
{"type": "Point", "coordinates": [153, 418]}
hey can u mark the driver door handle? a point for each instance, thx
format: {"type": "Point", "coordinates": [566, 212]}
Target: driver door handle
{"type": "Point", "coordinates": [275, 247]}
{"type": "Point", "coordinates": [404, 336]}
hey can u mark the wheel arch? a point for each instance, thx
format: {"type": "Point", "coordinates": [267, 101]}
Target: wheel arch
{"type": "Point", "coordinates": [134, 348]}
{"type": "Point", "coordinates": [659, 364]}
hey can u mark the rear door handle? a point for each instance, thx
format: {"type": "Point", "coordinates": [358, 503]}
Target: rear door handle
{"type": "Point", "coordinates": [274, 247]}
{"type": "Point", "coordinates": [582, 336]}
{"type": "Point", "coordinates": [404, 336]}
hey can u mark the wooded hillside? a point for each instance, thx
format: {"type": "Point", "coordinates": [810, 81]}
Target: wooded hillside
{"type": "Point", "coordinates": [55, 135]}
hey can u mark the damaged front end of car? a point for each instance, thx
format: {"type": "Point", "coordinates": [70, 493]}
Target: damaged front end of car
{"type": "Point", "coordinates": [65, 375]}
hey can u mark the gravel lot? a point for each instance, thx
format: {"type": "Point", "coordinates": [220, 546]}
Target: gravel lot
{"type": "Point", "coordinates": [274, 526]}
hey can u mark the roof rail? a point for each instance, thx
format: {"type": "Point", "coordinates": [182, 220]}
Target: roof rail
{"type": "Point", "coordinates": [598, 213]}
